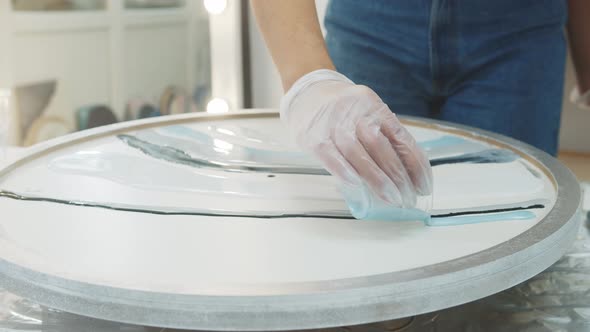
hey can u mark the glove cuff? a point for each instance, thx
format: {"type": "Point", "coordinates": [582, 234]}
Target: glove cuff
{"type": "Point", "coordinates": [306, 81]}
{"type": "Point", "coordinates": [582, 101]}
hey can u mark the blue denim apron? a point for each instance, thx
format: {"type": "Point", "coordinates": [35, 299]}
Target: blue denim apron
{"type": "Point", "coordinates": [493, 64]}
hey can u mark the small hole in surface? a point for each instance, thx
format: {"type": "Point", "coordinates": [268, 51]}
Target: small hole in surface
{"type": "Point", "coordinates": [271, 176]}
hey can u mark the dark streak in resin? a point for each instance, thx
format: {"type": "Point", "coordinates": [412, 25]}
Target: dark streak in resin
{"type": "Point", "coordinates": [180, 157]}
{"type": "Point", "coordinates": [12, 195]}
{"type": "Point", "coordinates": [495, 156]}
{"type": "Point", "coordinates": [177, 156]}
{"type": "Point", "coordinates": [464, 213]}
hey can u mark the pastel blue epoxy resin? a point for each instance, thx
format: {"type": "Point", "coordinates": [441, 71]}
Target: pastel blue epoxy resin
{"type": "Point", "coordinates": [479, 218]}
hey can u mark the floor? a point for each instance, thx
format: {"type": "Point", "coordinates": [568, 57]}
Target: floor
{"type": "Point", "coordinates": [579, 163]}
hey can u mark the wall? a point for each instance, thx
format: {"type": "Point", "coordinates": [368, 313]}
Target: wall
{"type": "Point", "coordinates": [575, 122]}
{"type": "Point", "coordinates": [267, 91]}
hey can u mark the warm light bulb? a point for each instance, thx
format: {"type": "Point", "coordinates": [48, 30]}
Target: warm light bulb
{"type": "Point", "coordinates": [217, 105]}
{"type": "Point", "coordinates": [215, 7]}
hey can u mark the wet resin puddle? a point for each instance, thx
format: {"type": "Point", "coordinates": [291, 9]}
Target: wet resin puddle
{"type": "Point", "coordinates": [185, 146]}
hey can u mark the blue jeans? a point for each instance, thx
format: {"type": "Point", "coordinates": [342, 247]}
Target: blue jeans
{"type": "Point", "coordinates": [492, 64]}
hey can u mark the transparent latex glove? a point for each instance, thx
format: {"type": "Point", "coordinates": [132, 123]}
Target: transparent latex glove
{"type": "Point", "coordinates": [582, 101]}
{"type": "Point", "coordinates": [361, 142]}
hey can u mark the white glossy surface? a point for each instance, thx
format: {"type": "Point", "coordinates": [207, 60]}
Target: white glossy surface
{"type": "Point", "coordinates": [229, 255]}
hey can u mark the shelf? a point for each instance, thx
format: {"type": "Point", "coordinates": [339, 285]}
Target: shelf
{"type": "Point", "coordinates": [92, 20]}
{"type": "Point", "coordinates": [158, 16]}
{"type": "Point", "coordinates": [40, 6]}
{"type": "Point", "coordinates": [60, 21]}
{"type": "Point", "coordinates": [48, 6]}
{"type": "Point", "coordinates": [153, 4]}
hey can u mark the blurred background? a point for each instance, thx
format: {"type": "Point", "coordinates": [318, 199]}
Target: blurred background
{"type": "Point", "coordinates": [69, 65]}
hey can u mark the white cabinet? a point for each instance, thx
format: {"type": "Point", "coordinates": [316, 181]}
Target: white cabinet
{"type": "Point", "coordinates": [113, 54]}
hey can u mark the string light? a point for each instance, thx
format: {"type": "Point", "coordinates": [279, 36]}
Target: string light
{"type": "Point", "coordinates": [217, 105]}
{"type": "Point", "coordinates": [215, 7]}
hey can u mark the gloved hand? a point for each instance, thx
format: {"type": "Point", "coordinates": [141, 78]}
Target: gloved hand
{"type": "Point", "coordinates": [359, 140]}
{"type": "Point", "coordinates": [582, 101]}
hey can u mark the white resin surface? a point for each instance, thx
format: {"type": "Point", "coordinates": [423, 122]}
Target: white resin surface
{"type": "Point", "coordinates": [196, 254]}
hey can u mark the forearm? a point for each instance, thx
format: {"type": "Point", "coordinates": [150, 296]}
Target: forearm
{"type": "Point", "coordinates": [579, 39]}
{"type": "Point", "coordinates": [292, 33]}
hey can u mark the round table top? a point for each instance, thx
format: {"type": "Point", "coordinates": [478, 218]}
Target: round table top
{"type": "Point", "coordinates": [218, 222]}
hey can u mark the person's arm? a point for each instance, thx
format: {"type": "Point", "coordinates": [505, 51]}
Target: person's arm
{"type": "Point", "coordinates": [292, 33]}
{"type": "Point", "coordinates": [578, 28]}
{"type": "Point", "coordinates": [346, 126]}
